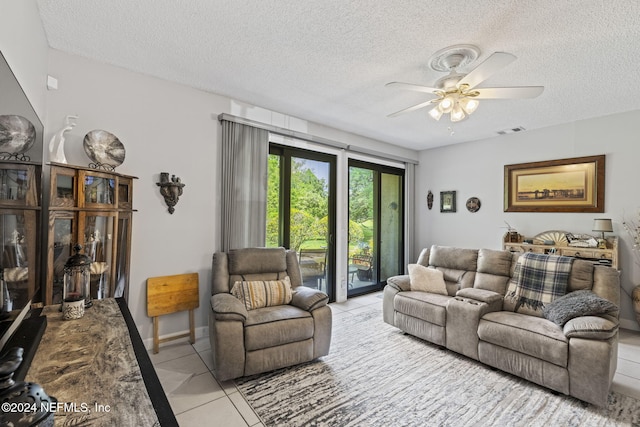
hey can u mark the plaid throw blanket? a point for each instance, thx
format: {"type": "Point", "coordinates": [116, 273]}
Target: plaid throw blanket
{"type": "Point", "coordinates": [540, 279]}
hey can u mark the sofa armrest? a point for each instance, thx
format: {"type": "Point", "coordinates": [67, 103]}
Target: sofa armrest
{"type": "Point", "coordinates": [591, 327]}
{"type": "Point", "coordinates": [309, 299]}
{"type": "Point", "coordinates": [401, 282]}
{"type": "Point", "coordinates": [227, 307]}
{"type": "Point", "coordinates": [492, 299]}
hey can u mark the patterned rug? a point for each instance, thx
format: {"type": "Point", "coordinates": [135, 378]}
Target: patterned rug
{"type": "Point", "coordinates": [375, 375]}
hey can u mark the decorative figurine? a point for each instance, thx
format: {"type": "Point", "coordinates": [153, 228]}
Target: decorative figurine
{"type": "Point", "coordinates": [429, 199]}
{"type": "Point", "coordinates": [56, 153]}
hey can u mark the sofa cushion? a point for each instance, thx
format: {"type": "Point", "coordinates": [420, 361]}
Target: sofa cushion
{"type": "Point", "coordinates": [456, 279]}
{"type": "Point", "coordinates": [262, 293]}
{"type": "Point", "coordinates": [491, 282]}
{"type": "Point", "coordinates": [494, 270]}
{"type": "Point", "coordinates": [426, 279]}
{"type": "Point", "coordinates": [454, 258]}
{"type": "Point", "coordinates": [494, 262]}
{"type": "Point", "coordinates": [581, 276]}
{"type": "Point", "coordinates": [576, 304]}
{"type": "Point", "coordinates": [257, 260]}
{"type": "Point", "coordinates": [273, 326]}
{"type": "Point", "coordinates": [423, 305]}
{"type": "Point", "coordinates": [537, 337]}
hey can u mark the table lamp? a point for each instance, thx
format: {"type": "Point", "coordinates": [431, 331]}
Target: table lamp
{"type": "Point", "coordinates": [602, 225]}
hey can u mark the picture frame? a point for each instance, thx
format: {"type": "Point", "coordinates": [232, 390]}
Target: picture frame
{"type": "Point", "coordinates": [447, 201]}
{"type": "Point", "coordinates": [564, 185]}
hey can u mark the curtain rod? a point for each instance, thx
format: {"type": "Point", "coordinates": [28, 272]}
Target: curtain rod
{"type": "Point", "coordinates": [312, 138]}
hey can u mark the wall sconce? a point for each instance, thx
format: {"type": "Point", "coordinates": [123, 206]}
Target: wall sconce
{"type": "Point", "coordinates": [171, 189]}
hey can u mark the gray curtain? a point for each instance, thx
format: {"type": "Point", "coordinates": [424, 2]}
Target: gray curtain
{"type": "Point", "coordinates": [244, 185]}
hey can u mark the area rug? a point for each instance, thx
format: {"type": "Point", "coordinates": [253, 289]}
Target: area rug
{"type": "Point", "coordinates": [375, 375]}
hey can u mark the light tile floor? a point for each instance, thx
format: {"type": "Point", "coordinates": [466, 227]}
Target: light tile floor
{"type": "Point", "coordinates": [198, 399]}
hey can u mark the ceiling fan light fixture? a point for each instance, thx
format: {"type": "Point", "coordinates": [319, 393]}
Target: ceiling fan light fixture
{"type": "Point", "coordinates": [457, 114]}
{"type": "Point", "coordinates": [456, 93]}
{"type": "Point", "coordinates": [436, 112]}
{"type": "Point", "coordinates": [447, 104]}
{"type": "Point", "coordinates": [469, 105]}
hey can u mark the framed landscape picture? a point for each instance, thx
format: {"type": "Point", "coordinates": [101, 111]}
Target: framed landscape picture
{"type": "Point", "coordinates": [564, 185]}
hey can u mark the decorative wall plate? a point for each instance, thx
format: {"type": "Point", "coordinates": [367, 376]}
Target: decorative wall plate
{"type": "Point", "coordinates": [17, 134]}
{"type": "Point", "coordinates": [104, 148]}
{"type": "Point", "coordinates": [559, 238]}
{"type": "Point", "coordinates": [473, 204]}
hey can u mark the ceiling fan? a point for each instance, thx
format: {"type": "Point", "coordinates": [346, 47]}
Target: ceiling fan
{"type": "Point", "coordinates": [457, 94]}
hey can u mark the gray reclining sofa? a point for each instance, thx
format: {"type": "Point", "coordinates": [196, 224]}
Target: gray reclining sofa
{"type": "Point", "coordinates": [477, 320]}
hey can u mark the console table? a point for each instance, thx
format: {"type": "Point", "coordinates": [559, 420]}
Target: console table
{"type": "Point", "coordinates": [556, 243]}
{"type": "Point", "coordinates": [99, 370]}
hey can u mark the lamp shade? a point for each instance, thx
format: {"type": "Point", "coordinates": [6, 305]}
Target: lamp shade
{"type": "Point", "coordinates": [602, 224]}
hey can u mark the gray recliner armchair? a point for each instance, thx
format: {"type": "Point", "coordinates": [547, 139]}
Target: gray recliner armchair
{"type": "Point", "coordinates": [246, 342]}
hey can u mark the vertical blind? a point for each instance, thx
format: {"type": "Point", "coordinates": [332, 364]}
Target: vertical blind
{"type": "Point", "coordinates": [244, 185]}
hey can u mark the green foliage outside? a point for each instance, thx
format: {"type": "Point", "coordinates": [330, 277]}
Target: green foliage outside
{"type": "Point", "coordinates": [360, 209]}
{"type": "Point", "coordinates": [309, 205]}
{"type": "Point", "coordinates": [309, 202]}
{"type": "Point", "coordinates": [273, 200]}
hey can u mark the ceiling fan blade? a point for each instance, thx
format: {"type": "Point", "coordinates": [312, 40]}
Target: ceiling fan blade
{"type": "Point", "coordinates": [520, 92]}
{"type": "Point", "coordinates": [410, 86]}
{"type": "Point", "coordinates": [414, 108]}
{"type": "Point", "coordinates": [494, 63]}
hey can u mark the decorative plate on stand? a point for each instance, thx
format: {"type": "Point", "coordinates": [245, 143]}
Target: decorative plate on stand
{"type": "Point", "coordinates": [17, 134]}
{"type": "Point", "coordinates": [104, 149]}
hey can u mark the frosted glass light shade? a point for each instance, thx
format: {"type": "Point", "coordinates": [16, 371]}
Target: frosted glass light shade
{"type": "Point", "coordinates": [457, 114]}
{"type": "Point", "coordinates": [469, 105]}
{"type": "Point", "coordinates": [447, 104]}
{"type": "Point", "coordinates": [435, 113]}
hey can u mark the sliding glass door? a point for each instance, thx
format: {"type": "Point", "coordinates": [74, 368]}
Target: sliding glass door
{"type": "Point", "coordinates": [301, 211]}
{"type": "Point", "coordinates": [375, 226]}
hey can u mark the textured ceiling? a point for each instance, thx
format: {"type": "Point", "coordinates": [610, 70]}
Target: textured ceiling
{"type": "Point", "coordinates": [327, 61]}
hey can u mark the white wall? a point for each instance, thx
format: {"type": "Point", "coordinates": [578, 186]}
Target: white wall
{"type": "Point", "coordinates": [477, 169]}
{"type": "Point", "coordinates": [165, 127]}
{"type": "Point", "coordinates": [24, 45]}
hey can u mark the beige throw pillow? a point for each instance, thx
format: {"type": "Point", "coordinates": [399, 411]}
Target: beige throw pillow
{"type": "Point", "coordinates": [263, 293]}
{"type": "Point", "coordinates": [427, 279]}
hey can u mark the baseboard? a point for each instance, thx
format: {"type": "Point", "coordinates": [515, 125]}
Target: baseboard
{"type": "Point", "coordinates": [201, 332]}
{"type": "Point", "coordinates": [629, 324]}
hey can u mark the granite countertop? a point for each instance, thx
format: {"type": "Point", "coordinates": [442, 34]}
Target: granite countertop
{"type": "Point", "coordinates": [90, 367]}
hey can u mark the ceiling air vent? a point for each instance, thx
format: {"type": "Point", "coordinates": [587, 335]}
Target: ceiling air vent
{"type": "Point", "coordinates": [512, 130]}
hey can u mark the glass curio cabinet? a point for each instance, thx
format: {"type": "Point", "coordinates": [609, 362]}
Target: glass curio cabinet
{"type": "Point", "coordinates": [92, 208]}
{"type": "Point", "coordinates": [19, 247]}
